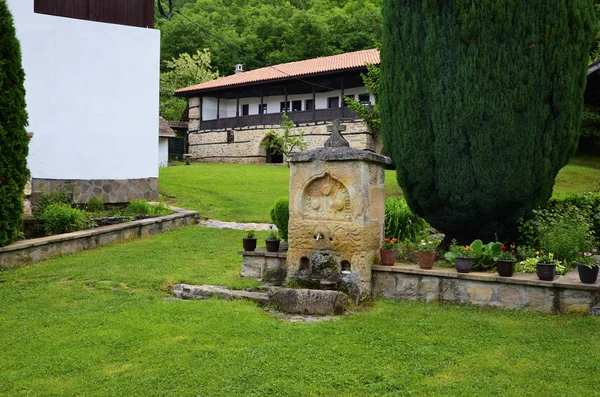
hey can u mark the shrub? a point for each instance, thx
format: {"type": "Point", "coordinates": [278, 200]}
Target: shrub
{"type": "Point", "coordinates": [96, 204]}
{"type": "Point", "coordinates": [481, 104]}
{"type": "Point", "coordinates": [62, 218]}
{"type": "Point", "coordinates": [13, 136]}
{"type": "Point", "coordinates": [280, 216]}
{"type": "Point", "coordinates": [61, 195]}
{"type": "Point", "coordinates": [142, 207]}
{"type": "Point", "coordinates": [401, 222]}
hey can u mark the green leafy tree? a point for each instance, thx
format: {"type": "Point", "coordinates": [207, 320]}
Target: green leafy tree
{"type": "Point", "coordinates": [182, 72]}
{"type": "Point", "coordinates": [481, 105]}
{"type": "Point", "coordinates": [369, 114]}
{"type": "Point", "coordinates": [284, 143]}
{"type": "Point", "coordinates": [13, 136]}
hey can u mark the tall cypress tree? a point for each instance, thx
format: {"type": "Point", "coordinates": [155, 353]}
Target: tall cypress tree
{"type": "Point", "coordinates": [13, 137]}
{"type": "Point", "coordinates": [481, 105]}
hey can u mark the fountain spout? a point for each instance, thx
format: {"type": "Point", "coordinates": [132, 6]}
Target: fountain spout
{"type": "Point", "coordinates": [319, 236]}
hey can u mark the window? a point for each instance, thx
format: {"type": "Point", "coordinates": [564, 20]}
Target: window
{"type": "Point", "coordinates": [262, 109]}
{"type": "Point", "coordinates": [364, 99]}
{"type": "Point", "coordinates": [296, 106]}
{"type": "Point", "coordinates": [230, 136]}
{"type": "Point", "coordinates": [245, 110]}
{"type": "Point", "coordinates": [309, 104]}
{"type": "Point", "coordinates": [347, 96]}
{"type": "Point", "coordinates": [283, 108]}
{"type": "Point", "coordinates": [333, 102]}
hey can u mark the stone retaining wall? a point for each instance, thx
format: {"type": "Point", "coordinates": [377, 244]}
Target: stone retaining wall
{"type": "Point", "coordinates": [39, 249]}
{"type": "Point", "coordinates": [213, 146]}
{"type": "Point", "coordinates": [524, 292]}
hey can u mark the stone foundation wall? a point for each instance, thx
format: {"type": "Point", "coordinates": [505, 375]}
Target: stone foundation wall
{"type": "Point", "coordinates": [110, 190]}
{"type": "Point", "coordinates": [520, 292]}
{"type": "Point", "coordinates": [212, 145]}
{"type": "Point", "coordinates": [39, 249]}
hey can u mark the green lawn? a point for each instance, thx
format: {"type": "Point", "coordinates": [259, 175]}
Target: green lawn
{"type": "Point", "coordinates": [101, 323]}
{"type": "Point", "coordinates": [245, 193]}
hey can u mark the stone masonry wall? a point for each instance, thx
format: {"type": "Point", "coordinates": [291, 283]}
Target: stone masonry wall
{"type": "Point", "coordinates": [110, 190]}
{"type": "Point", "coordinates": [212, 146]}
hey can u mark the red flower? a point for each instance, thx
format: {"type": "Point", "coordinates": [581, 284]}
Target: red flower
{"type": "Point", "coordinates": [503, 248]}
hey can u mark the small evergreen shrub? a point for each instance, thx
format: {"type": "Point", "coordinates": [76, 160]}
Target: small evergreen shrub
{"type": "Point", "coordinates": [280, 216]}
{"type": "Point", "coordinates": [96, 204]}
{"type": "Point", "coordinates": [13, 136]}
{"type": "Point", "coordinates": [401, 222]}
{"type": "Point", "coordinates": [62, 218]}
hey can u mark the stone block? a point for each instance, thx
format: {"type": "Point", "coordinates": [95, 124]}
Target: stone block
{"type": "Point", "coordinates": [185, 291]}
{"type": "Point", "coordinates": [308, 301]}
{"type": "Point", "coordinates": [384, 284]}
{"type": "Point", "coordinates": [480, 295]}
{"type": "Point", "coordinates": [539, 299]}
{"type": "Point", "coordinates": [511, 296]}
{"type": "Point", "coordinates": [575, 301]}
{"type": "Point", "coordinates": [194, 101]}
{"type": "Point", "coordinates": [429, 289]}
{"type": "Point", "coordinates": [194, 113]}
{"type": "Point", "coordinates": [406, 286]}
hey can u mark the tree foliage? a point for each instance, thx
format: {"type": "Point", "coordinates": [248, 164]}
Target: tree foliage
{"type": "Point", "coordinates": [481, 105]}
{"type": "Point", "coordinates": [258, 33]}
{"type": "Point", "coordinates": [284, 143]}
{"type": "Point", "coordinates": [369, 114]}
{"type": "Point", "coordinates": [181, 72]}
{"type": "Point", "coordinates": [13, 137]}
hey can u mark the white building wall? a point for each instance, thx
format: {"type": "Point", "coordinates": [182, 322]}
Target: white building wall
{"type": "Point", "coordinates": [227, 107]}
{"type": "Point", "coordinates": [92, 96]}
{"type": "Point", "coordinates": [163, 152]}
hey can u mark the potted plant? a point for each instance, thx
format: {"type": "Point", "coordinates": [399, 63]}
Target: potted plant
{"type": "Point", "coordinates": [505, 262]}
{"type": "Point", "coordinates": [545, 266]}
{"type": "Point", "coordinates": [272, 241]}
{"type": "Point", "coordinates": [462, 257]}
{"type": "Point", "coordinates": [388, 251]}
{"type": "Point", "coordinates": [249, 242]}
{"type": "Point", "coordinates": [587, 267]}
{"type": "Point", "coordinates": [426, 253]}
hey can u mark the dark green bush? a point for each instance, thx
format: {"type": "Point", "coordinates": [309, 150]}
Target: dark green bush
{"type": "Point", "coordinates": [60, 218]}
{"type": "Point", "coordinates": [481, 105]}
{"type": "Point", "coordinates": [96, 204]}
{"type": "Point", "coordinates": [280, 216]}
{"type": "Point", "coordinates": [401, 222]}
{"type": "Point", "coordinates": [13, 136]}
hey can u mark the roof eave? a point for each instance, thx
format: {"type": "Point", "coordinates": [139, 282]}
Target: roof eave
{"type": "Point", "coordinates": [191, 93]}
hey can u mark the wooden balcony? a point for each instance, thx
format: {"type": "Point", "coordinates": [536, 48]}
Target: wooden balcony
{"type": "Point", "coordinates": [306, 116]}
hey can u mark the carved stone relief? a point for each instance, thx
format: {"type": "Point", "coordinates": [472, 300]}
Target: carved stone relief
{"type": "Point", "coordinates": [326, 199]}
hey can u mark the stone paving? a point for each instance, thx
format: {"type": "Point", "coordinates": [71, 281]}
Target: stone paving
{"type": "Point", "coordinates": [215, 224]}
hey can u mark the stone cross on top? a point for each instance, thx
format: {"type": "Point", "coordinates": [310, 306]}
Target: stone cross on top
{"type": "Point", "coordinates": [336, 139]}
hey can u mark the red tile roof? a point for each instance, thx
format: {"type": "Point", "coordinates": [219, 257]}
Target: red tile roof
{"type": "Point", "coordinates": [351, 60]}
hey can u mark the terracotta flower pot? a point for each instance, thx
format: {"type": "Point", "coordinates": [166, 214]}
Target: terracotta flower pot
{"type": "Point", "coordinates": [587, 275]}
{"type": "Point", "coordinates": [249, 244]}
{"type": "Point", "coordinates": [388, 257]}
{"type": "Point", "coordinates": [426, 259]}
{"type": "Point", "coordinates": [505, 268]}
{"type": "Point", "coordinates": [272, 245]}
{"type": "Point", "coordinates": [546, 271]}
{"type": "Point", "coordinates": [464, 265]}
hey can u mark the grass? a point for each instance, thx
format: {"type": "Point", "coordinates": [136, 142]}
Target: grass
{"type": "Point", "coordinates": [100, 323]}
{"type": "Point", "coordinates": [207, 188]}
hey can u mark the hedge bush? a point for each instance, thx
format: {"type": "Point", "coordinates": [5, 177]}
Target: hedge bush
{"type": "Point", "coordinates": [401, 222]}
{"type": "Point", "coordinates": [13, 136]}
{"type": "Point", "coordinates": [280, 216]}
{"type": "Point", "coordinates": [481, 105]}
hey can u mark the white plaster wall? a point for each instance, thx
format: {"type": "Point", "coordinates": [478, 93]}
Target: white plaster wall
{"type": "Point", "coordinates": [227, 107]}
{"type": "Point", "coordinates": [163, 152]}
{"type": "Point", "coordinates": [92, 96]}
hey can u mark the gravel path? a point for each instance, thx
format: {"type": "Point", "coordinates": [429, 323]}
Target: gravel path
{"type": "Point", "coordinates": [215, 224]}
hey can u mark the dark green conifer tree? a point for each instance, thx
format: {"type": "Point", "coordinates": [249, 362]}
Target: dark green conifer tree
{"type": "Point", "coordinates": [13, 137]}
{"type": "Point", "coordinates": [481, 105]}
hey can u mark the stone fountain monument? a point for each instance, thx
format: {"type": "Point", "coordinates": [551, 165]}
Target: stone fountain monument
{"type": "Point", "coordinates": [337, 206]}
